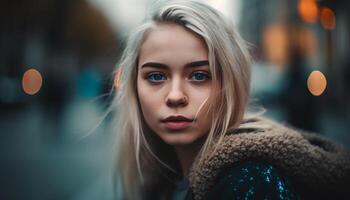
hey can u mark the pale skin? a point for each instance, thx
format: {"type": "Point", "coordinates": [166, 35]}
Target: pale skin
{"type": "Point", "coordinates": [174, 79]}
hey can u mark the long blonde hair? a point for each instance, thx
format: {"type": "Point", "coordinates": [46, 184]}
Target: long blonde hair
{"type": "Point", "coordinates": [229, 63]}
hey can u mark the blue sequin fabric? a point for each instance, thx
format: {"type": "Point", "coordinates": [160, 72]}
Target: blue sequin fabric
{"type": "Point", "coordinates": [252, 180]}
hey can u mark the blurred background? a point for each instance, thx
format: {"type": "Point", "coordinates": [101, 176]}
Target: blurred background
{"type": "Point", "coordinates": [56, 73]}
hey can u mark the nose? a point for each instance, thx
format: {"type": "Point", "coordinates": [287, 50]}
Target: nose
{"type": "Point", "coordinates": [176, 96]}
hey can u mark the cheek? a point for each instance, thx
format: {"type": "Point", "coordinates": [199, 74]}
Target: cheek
{"type": "Point", "coordinates": [201, 100]}
{"type": "Point", "coordinates": [201, 103]}
{"type": "Point", "coordinates": [149, 102]}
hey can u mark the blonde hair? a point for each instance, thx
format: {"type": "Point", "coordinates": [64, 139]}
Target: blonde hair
{"type": "Point", "coordinates": [229, 63]}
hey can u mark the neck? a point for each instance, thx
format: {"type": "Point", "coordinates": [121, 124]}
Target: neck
{"type": "Point", "coordinates": [186, 154]}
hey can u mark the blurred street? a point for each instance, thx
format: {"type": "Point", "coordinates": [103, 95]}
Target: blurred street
{"type": "Point", "coordinates": [58, 63]}
{"type": "Point", "coordinates": [46, 157]}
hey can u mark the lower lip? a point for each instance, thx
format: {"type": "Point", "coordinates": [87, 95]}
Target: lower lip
{"type": "Point", "coordinates": [177, 125]}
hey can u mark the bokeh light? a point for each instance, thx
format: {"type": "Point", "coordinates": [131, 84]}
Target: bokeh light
{"type": "Point", "coordinates": [275, 44]}
{"type": "Point", "coordinates": [307, 41]}
{"type": "Point", "coordinates": [32, 81]}
{"type": "Point", "coordinates": [308, 10]}
{"type": "Point", "coordinates": [327, 19]}
{"type": "Point", "coordinates": [316, 83]}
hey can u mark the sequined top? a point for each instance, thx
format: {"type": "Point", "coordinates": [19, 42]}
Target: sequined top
{"type": "Point", "coordinates": [252, 180]}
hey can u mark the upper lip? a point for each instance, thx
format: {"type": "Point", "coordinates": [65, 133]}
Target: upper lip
{"type": "Point", "coordinates": [176, 118]}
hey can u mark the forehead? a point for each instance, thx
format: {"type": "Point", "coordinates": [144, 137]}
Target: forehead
{"type": "Point", "coordinates": [172, 43]}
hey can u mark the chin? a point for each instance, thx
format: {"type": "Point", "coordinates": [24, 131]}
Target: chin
{"type": "Point", "coordinates": [178, 138]}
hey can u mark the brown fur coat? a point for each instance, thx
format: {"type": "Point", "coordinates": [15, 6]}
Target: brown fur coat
{"type": "Point", "coordinates": [317, 167]}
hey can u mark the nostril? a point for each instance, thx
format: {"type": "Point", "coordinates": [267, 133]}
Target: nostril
{"type": "Point", "coordinates": [177, 101]}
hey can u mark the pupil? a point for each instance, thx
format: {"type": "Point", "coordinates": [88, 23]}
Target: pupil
{"type": "Point", "coordinates": [158, 77]}
{"type": "Point", "coordinates": [199, 76]}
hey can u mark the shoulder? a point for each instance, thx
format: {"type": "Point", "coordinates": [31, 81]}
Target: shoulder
{"type": "Point", "coordinates": [251, 180]}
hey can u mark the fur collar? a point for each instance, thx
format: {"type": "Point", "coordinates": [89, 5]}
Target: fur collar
{"type": "Point", "coordinates": [312, 162]}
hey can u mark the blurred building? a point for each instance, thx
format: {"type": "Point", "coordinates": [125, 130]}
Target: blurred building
{"type": "Point", "coordinates": [57, 66]}
{"type": "Point", "coordinates": [291, 39]}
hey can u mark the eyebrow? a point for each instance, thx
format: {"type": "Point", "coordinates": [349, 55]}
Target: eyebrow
{"type": "Point", "coordinates": [164, 66]}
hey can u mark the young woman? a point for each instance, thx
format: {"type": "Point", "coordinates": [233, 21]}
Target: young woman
{"type": "Point", "coordinates": [183, 128]}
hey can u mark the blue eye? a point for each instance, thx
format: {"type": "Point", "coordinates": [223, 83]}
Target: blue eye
{"type": "Point", "coordinates": [156, 77]}
{"type": "Point", "coordinates": [200, 76]}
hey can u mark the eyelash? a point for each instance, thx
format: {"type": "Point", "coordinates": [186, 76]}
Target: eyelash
{"type": "Point", "coordinates": [152, 74]}
{"type": "Point", "coordinates": [155, 73]}
{"type": "Point", "coordinates": [206, 75]}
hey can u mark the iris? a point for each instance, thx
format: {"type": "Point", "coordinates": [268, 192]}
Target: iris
{"type": "Point", "coordinates": [199, 76]}
{"type": "Point", "coordinates": [156, 77]}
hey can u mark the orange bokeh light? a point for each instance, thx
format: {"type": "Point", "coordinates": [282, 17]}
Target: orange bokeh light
{"type": "Point", "coordinates": [316, 83]}
{"type": "Point", "coordinates": [308, 10]}
{"type": "Point", "coordinates": [307, 41]}
{"type": "Point", "coordinates": [327, 19]}
{"type": "Point", "coordinates": [275, 44]}
{"type": "Point", "coordinates": [117, 79]}
{"type": "Point", "coordinates": [32, 81]}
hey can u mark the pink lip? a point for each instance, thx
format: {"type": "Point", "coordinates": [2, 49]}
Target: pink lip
{"type": "Point", "coordinates": [176, 118]}
{"type": "Point", "coordinates": [177, 125]}
{"type": "Point", "coordinates": [177, 122]}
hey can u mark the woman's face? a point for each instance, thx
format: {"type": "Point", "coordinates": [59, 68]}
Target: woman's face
{"type": "Point", "coordinates": [174, 83]}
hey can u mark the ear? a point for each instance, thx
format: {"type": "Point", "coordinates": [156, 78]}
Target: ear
{"type": "Point", "coordinates": [117, 78]}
